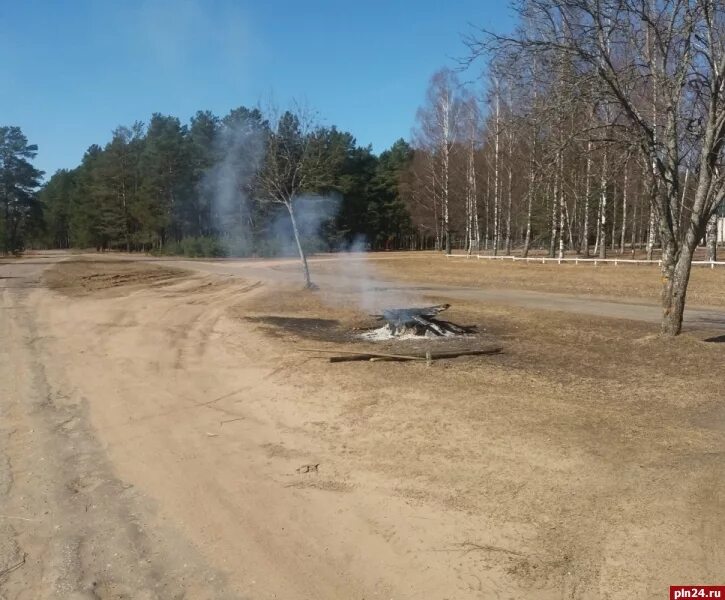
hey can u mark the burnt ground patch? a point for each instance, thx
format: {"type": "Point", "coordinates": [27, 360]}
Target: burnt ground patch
{"type": "Point", "coordinates": [332, 330]}
{"type": "Point", "coordinates": [326, 330]}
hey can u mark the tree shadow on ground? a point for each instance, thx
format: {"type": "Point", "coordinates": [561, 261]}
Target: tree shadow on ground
{"type": "Point", "coordinates": [718, 339]}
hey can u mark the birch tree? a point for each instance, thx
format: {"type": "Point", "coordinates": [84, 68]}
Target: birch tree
{"type": "Point", "coordinates": [510, 173]}
{"type": "Point", "coordinates": [497, 165]}
{"type": "Point", "coordinates": [675, 48]}
{"type": "Point", "coordinates": [437, 130]}
{"type": "Point", "coordinates": [472, 133]}
{"type": "Point", "coordinates": [294, 163]}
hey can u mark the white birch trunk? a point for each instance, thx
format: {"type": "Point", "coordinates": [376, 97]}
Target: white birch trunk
{"type": "Point", "coordinates": [614, 216]}
{"type": "Point", "coordinates": [587, 193]}
{"type": "Point", "coordinates": [496, 178]}
{"type": "Point", "coordinates": [554, 214]}
{"type": "Point", "coordinates": [487, 230]}
{"type": "Point", "coordinates": [471, 217]}
{"type": "Point", "coordinates": [711, 238]}
{"type": "Point", "coordinates": [562, 212]}
{"type": "Point", "coordinates": [651, 233]}
{"type": "Point", "coordinates": [510, 183]}
{"type": "Point", "coordinates": [303, 256]}
{"type": "Point", "coordinates": [445, 162]}
{"type": "Point", "coordinates": [634, 227]}
{"type": "Point", "coordinates": [603, 215]}
{"type": "Point", "coordinates": [598, 229]}
{"type": "Point", "coordinates": [532, 174]}
{"type": "Point", "coordinates": [529, 200]}
{"type": "Point", "coordinates": [624, 207]}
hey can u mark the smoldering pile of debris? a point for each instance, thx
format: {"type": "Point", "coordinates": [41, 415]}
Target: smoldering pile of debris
{"type": "Point", "coordinates": [405, 323]}
{"type": "Point", "coordinates": [416, 334]}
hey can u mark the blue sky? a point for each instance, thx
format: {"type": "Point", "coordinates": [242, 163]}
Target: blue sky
{"type": "Point", "coordinates": [73, 70]}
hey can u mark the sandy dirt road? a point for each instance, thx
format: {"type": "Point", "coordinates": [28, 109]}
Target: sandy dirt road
{"type": "Point", "coordinates": [69, 527]}
{"type": "Point", "coordinates": [155, 444]}
{"type": "Point", "coordinates": [220, 504]}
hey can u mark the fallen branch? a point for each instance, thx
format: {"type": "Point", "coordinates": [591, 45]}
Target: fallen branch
{"type": "Point", "coordinates": [379, 357]}
{"type": "Point", "coordinates": [12, 568]}
{"type": "Point", "coordinates": [375, 358]}
{"type": "Point", "coordinates": [357, 355]}
{"type": "Point", "coordinates": [429, 357]}
{"type": "Point", "coordinates": [472, 546]}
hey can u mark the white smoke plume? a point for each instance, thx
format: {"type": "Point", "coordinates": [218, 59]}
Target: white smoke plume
{"type": "Point", "coordinates": [312, 213]}
{"type": "Point", "coordinates": [355, 271]}
{"type": "Point", "coordinates": [239, 148]}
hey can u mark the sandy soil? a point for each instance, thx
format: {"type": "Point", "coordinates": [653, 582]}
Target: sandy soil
{"type": "Point", "coordinates": [165, 435]}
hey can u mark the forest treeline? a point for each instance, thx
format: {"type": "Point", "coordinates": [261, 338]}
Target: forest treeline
{"type": "Point", "coordinates": [526, 161]}
{"type": "Point", "coordinates": [210, 187]}
{"type": "Point", "coordinates": [484, 172]}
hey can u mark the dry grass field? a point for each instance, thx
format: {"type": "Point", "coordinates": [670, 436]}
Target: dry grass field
{"type": "Point", "coordinates": [707, 287]}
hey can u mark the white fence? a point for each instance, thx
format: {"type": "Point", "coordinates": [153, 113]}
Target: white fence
{"type": "Point", "coordinates": [576, 260]}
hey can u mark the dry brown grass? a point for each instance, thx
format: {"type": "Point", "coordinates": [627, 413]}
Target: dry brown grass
{"type": "Point", "coordinates": [587, 438]}
{"type": "Point", "coordinates": [707, 286]}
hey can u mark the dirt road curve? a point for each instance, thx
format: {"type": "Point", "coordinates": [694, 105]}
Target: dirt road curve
{"type": "Point", "coordinates": [69, 527]}
{"type": "Point", "coordinates": [154, 444]}
{"type": "Point", "coordinates": [204, 431]}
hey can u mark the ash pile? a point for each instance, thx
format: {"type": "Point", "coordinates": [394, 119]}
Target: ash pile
{"type": "Point", "coordinates": [407, 323]}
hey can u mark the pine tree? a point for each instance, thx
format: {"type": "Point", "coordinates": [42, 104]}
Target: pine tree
{"type": "Point", "coordinates": [19, 180]}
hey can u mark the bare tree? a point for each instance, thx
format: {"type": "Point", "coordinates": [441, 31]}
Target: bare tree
{"type": "Point", "coordinates": [659, 66]}
{"type": "Point", "coordinates": [497, 166]}
{"type": "Point", "coordinates": [510, 135]}
{"type": "Point", "coordinates": [437, 128]}
{"type": "Point", "coordinates": [472, 133]}
{"type": "Point", "coordinates": [295, 163]}
{"type": "Point", "coordinates": [530, 192]}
